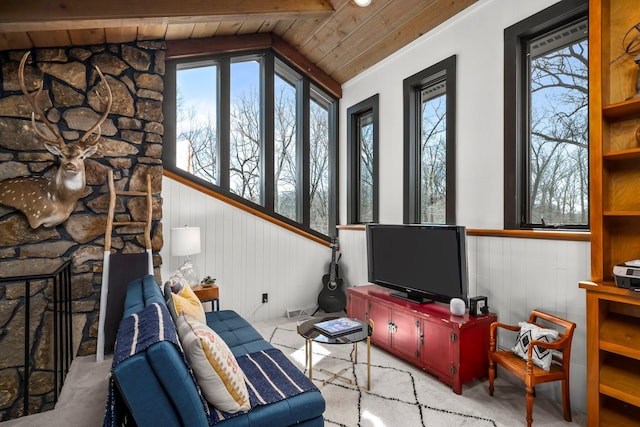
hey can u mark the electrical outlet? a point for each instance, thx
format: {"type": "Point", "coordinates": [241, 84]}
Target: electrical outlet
{"type": "Point", "coordinates": [265, 298]}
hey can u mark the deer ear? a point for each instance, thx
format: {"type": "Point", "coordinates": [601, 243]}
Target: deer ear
{"type": "Point", "coordinates": [53, 149]}
{"type": "Point", "coordinates": [90, 150]}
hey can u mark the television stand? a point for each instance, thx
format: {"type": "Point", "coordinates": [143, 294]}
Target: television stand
{"type": "Point", "coordinates": [411, 298]}
{"type": "Point", "coordinates": [453, 348]}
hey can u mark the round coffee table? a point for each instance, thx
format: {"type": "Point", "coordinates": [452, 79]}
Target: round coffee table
{"type": "Point", "coordinates": [308, 331]}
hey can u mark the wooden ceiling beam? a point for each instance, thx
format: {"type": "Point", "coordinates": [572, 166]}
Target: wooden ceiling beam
{"type": "Point", "coordinates": [38, 15]}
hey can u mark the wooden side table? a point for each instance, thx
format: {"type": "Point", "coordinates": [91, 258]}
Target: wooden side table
{"type": "Point", "coordinates": [208, 293]}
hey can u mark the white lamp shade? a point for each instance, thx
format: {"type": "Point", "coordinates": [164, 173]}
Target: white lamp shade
{"type": "Point", "coordinates": [362, 3]}
{"type": "Point", "coordinates": [185, 241]}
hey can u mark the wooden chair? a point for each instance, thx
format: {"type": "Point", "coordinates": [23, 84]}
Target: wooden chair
{"type": "Point", "coordinates": [526, 370]}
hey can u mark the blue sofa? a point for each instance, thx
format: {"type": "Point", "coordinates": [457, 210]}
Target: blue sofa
{"type": "Point", "coordinates": [156, 388]}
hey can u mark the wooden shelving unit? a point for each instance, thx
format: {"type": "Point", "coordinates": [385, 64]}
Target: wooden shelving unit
{"type": "Point", "coordinates": [613, 314]}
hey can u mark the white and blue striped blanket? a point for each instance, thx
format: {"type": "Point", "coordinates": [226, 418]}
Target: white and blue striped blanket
{"type": "Point", "coordinates": [137, 333]}
{"type": "Point", "coordinates": [271, 377]}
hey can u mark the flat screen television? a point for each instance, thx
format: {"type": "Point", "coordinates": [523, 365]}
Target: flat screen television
{"type": "Point", "coordinates": [421, 262]}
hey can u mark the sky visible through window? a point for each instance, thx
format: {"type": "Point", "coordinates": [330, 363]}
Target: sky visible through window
{"type": "Point", "coordinates": [558, 149]}
{"type": "Point", "coordinates": [197, 89]}
{"type": "Point", "coordinates": [197, 140]}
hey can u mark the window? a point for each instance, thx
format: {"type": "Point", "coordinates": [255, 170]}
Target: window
{"type": "Point", "coordinates": [250, 127]}
{"type": "Point", "coordinates": [429, 134]}
{"type": "Point", "coordinates": [286, 200]}
{"type": "Point", "coordinates": [362, 158]}
{"type": "Point", "coordinates": [321, 151]}
{"type": "Point", "coordinates": [246, 129]}
{"type": "Point", "coordinates": [196, 149]}
{"type": "Point", "coordinates": [546, 119]}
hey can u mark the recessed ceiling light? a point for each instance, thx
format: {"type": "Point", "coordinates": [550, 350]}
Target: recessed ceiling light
{"type": "Point", "coordinates": [362, 3]}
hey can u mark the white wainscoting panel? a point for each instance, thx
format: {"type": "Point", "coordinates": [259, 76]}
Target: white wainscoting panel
{"type": "Point", "coordinates": [516, 275]}
{"type": "Point", "coordinates": [247, 255]}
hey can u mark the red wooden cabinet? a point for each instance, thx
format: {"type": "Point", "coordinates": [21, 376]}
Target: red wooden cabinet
{"type": "Point", "coordinates": [394, 330]}
{"type": "Point", "coordinates": [453, 348]}
{"type": "Point", "coordinates": [359, 307]}
{"type": "Point", "coordinates": [436, 353]}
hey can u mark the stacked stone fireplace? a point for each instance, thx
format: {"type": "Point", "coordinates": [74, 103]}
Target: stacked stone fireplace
{"type": "Point", "coordinates": [130, 145]}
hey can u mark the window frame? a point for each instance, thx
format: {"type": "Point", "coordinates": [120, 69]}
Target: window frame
{"type": "Point", "coordinates": [270, 58]}
{"type": "Point", "coordinates": [285, 72]}
{"type": "Point", "coordinates": [516, 113]}
{"type": "Point", "coordinates": [412, 88]}
{"type": "Point", "coordinates": [354, 113]}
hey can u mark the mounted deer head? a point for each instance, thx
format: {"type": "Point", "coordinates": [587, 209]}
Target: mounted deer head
{"type": "Point", "coordinates": [44, 201]}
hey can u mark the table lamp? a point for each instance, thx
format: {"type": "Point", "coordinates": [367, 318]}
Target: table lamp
{"type": "Point", "coordinates": [185, 241]}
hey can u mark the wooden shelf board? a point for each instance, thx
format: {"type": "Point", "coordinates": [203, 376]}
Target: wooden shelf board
{"type": "Point", "coordinates": [620, 334]}
{"type": "Point", "coordinates": [619, 415]}
{"type": "Point", "coordinates": [609, 287]}
{"type": "Point", "coordinates": [620, 379]}
{"type": "Point", "coordinates": [613, 314]}
{"type": "Point", "coordinates": [621, 213]}
{"type": "Point", "coordinates": [622, 109]}
{"type": "Point", "coordinates": [628, 154]}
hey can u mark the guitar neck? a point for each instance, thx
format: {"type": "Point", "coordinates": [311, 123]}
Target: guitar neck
{"type": "Point", "coordinates": [332, 266]}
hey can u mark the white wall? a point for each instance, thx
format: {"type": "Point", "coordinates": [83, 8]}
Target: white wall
{"type": "Point", "coordinates": [516, 275]}
{"type": "Point", "coordinates": [476, 37]}
{"type": "Point", "coordinates": [247, 255]}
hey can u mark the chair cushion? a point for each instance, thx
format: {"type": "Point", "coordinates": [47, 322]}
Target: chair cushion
{"type": "Point", "coordinates": [170, 369]}
{"type": "Point", "coordinates": [221, 379]}
{"type": "Point", "coordinates": [142, 392]}
{"type": "Point", "coordinates": [529, 332]}
{"type": "Point", "coordinates": [151, 290]}
{"type": "Point", "coordinates": [240, 336]}
{"type": "Point", "coordinates": [141, 293]}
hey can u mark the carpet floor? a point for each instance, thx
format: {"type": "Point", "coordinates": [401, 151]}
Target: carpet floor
{"type": "Point", "coordinates": [400, 393]}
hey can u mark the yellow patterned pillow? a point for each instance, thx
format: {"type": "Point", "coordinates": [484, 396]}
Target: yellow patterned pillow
{"type": "Point", "coordinates": [219, 376]}
{"type": "Point", "coordinates": [186, 301]}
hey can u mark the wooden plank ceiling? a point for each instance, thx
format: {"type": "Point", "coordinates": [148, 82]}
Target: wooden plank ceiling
{"type": "Point", "coordinates": [338, 36]}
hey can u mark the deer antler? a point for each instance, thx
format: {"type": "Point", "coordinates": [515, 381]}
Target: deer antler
{"type": "Point", "coordinates": [31, 98]}
{"type": "Point", "coordinates": [104, 115]}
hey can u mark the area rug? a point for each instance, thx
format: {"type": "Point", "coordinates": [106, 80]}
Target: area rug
{"type": "Point", "coordinates": [402, 394]}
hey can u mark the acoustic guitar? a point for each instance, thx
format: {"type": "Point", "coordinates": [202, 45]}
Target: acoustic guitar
{"type": "Point", "coordinates": [332, 297]}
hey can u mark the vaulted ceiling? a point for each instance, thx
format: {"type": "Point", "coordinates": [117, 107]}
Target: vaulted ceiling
{"type": "Point", "coordinates": [339, 37]}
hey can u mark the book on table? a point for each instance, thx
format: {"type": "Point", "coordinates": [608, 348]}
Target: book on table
{"type": "Point", "coordinates": [338, 327]}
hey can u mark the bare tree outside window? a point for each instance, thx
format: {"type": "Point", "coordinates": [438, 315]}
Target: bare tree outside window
{"type": "Point", "coordinates": [234, 162]}
{"type": "Point", "coordinates": [430, 144]}
{"type": "Point", "coordinates": [246, 142]}
{"type": "Point", "coordinates": [433, 176]}
{"type": "Point", "coordinates": [285, 140]}
{"type": "Point", "coordinates": [319, 167]}
{"type": "Point", "coordinates": [196, 139]}
{"type": "Point", "coordinates": [362, 162]}
{"type": "Point", "coordinates": [365, 126]}
{"type": "Point", "coordinates": [558, 192]}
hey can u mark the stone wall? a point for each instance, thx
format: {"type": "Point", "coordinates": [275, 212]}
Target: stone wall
{"type": "Point", "coordinates": [130, 145]}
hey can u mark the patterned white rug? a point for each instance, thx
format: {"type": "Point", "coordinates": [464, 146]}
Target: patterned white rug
{"type": "Point", "coordinates": [402, 394]}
